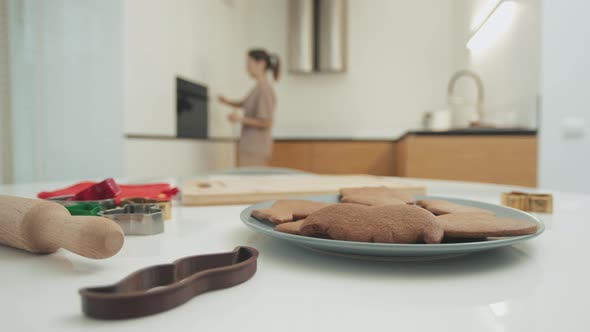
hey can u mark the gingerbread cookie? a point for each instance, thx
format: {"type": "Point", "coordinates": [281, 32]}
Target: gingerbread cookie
{"type": "Point", "coordinates": [477, 225]}
{"type": "Point", "coordinates": [399, 223]}
{"type": "Point", "coordinates": [440, 207]}
{"type": "Point", "coordinates": [374, 196]}
{"type": "Point", "coordinates": [288, 210]}
{"type": "Point", "coordinates": [292, 227]}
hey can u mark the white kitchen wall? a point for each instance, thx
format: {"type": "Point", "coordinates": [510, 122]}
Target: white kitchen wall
{"type": "Point", "coordinates": [400, 60]}
{"type": "Point", "coordinates": [510, 64]}
{"type": "Point", "coordinates": [565, 145]}
{"type": "Point", "coordinates": [113, 64]}
{"type": "Point", "coordinates": [66, 89]}
{"type": "Point", "coordinates": [87, 72]}
{"type": "Point", "coordinates": [199, 40]}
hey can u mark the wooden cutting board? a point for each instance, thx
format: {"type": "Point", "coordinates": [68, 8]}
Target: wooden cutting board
{"type": "Point", "coordinates": [229, 190]}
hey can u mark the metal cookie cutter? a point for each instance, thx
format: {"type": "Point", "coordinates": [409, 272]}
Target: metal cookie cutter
{"type": "Point", "coordinates": [137, 219]}
{"type": "Point", "coordinates": [166, 206]}
{"type": "Point", "coordinates": [163, 287]}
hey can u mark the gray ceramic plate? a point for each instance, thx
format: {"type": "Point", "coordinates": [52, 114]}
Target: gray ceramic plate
{"type": "Point", "coordinates": [395, 251]}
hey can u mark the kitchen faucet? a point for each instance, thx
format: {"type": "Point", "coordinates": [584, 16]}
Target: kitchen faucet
{"type": "Point", "coordinates": [478, 82]}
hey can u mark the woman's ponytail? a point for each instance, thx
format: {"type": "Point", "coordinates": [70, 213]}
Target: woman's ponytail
{"type": "Point", "coordinates": [275, 66]}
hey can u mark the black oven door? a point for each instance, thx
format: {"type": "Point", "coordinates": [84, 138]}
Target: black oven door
{"type": "Point", "coordinates": [191, 109]}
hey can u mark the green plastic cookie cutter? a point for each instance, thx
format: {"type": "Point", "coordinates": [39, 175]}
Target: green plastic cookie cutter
{"type": "Point", "coordinates": [84, 209]}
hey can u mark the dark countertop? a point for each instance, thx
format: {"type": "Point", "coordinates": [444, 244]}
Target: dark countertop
{"type": "Point", "coordinates": [164, 137]}
{"type": "Point", "coordinates": [392, 138]}
{"type": "Point", "coordinates": [473, 132]}
{"type": "Point", "coordinates": [476, 131]}
{"type": "Point", "coordinates": [452, 132]}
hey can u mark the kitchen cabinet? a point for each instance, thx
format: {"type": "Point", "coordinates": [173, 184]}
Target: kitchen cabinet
{"type": "Point", "coordinates": [335, 156]}
{"type": "Point", "coordinates": [503, 159]}
{"type": "Point", "coordinates": [506, 158]}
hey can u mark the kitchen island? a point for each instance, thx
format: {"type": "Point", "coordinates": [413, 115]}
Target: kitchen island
{"type": "Point", "coordinates": [540, 285]}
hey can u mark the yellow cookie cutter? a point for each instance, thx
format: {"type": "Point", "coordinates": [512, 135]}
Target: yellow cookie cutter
{"type": "Point", "coordinates": [528, 202]}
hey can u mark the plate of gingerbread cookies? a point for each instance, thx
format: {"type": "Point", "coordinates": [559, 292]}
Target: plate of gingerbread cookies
{"type": "Point", "coordinates": [383, 223]}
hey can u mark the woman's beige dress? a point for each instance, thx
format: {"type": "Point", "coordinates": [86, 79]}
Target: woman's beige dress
{"type": "Point", "coordinates": [255, 146]}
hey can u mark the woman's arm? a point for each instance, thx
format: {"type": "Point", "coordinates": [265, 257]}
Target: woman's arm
{"type": "Point", "coordinates": [263, 114]}
{"type": "Point", "coordinates": [258, 123]}
{"type": "Point", "coordinates": [232, 103]}
{"type": "Point", "coordinates": [251, 122]}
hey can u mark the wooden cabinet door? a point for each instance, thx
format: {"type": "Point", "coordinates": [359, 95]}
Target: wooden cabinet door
{"type": "Point", "coordinates": [372, 157]}
{"type": "Point", "coordinates": [335, 157]}
{"type": "Point", "coordinates": [490, 159]}
{"type": "Point", "coordinates": [292, 154]}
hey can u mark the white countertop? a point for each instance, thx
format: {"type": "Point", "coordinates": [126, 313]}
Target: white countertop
{"type": "Point", "coordinates": [540, 285]}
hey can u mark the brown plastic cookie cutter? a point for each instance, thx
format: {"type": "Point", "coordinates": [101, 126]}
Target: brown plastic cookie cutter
{"type": "Point", "coordinates": [162, 287]}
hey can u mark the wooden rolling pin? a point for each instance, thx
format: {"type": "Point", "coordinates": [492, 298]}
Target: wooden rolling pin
{"type": "Point", "coordinates": [42, 227]}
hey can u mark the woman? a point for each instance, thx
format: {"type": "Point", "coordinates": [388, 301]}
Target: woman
{"type": "Point", "coordinates": [255, 146]}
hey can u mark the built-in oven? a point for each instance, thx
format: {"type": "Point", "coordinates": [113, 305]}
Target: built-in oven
{"type": "Point", "coordinates": [191, 109]}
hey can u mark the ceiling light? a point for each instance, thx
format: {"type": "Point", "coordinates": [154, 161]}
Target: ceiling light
{"type": "Point", "coordinates": [492, 26]}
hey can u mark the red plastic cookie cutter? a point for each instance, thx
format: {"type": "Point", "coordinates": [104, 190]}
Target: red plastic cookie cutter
{"type": "Point", "coordinates": [102, 190]}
